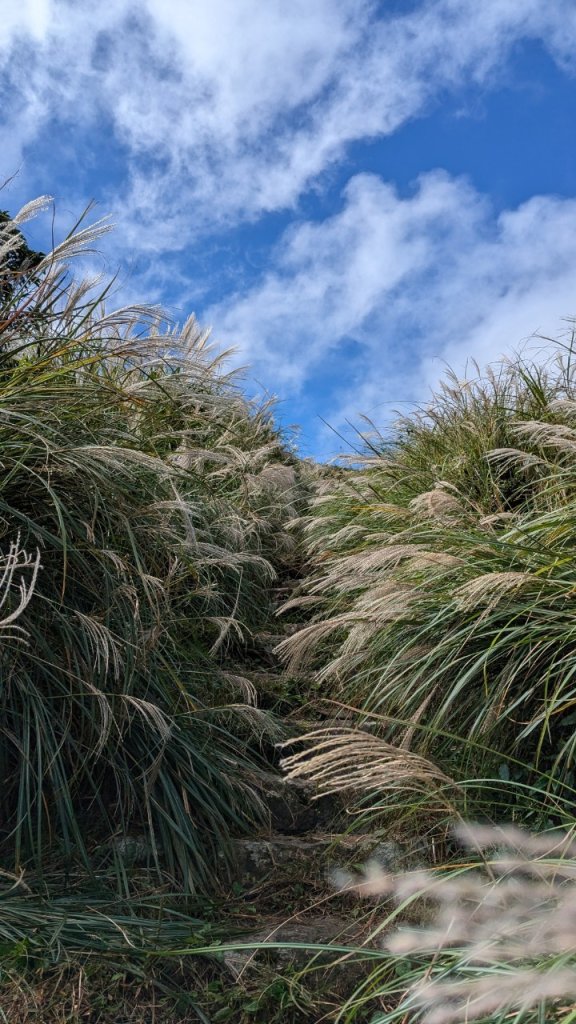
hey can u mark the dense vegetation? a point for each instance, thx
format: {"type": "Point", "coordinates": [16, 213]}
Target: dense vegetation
{"type": "Point", "coordinates": [145, 500]}
{"type": "Point", "coordinates": [442, 578]}
{"type": "Point", "coordinates": [151, 520]}
{"type": "Point", "coordinates": [441, 586]}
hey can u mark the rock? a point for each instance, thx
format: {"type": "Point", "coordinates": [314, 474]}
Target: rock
{"type": "Point", "coordinates": [255, 859]}
{"type": "Point", "coordinates": [305, 932]}
{"type": "Point", "coordinates": [294, 810]}
{"type": "Point", "coordinates": [131, 850]}
{"type": "Point", "coordinates": [315, 855]}
{"type": "Point", "coordinates": [394, 856]}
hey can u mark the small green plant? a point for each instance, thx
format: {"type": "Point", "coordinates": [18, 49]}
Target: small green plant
{"type": "Point", "coordinates": [269, 997]}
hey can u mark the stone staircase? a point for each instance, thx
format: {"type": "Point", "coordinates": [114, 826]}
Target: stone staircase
{"type": "Point", "coordinates": [288, 874]}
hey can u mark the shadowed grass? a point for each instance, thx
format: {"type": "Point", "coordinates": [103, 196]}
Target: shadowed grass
{"type": "Point", "coordinates": [157, 496]}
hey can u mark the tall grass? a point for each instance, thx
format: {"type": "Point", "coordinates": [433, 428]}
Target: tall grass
{"type": "Point", "coordinates": [481, 936]}
{"type": "Point", "coordinates": [442, 581]}
{"type": "Point", "coordinates": [161, 512]}
{"type": "Point", "coordinates": [151, 488]}
{"type": "Point", "coordinates": [495, 941]}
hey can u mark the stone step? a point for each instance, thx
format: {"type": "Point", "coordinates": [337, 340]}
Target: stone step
{"type": "Point", "coordinates": [307, 931]}
{"type": "Point", "coordinates": [295, 809]}
{"type": "Point", "coordinates": [315, 855]}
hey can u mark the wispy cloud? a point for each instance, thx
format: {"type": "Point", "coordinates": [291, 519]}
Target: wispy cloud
{"type": "Point", "coordinates": [197, 117]}
{"type": "Point", "coordinates": [413, 282]}
{"type": "Point", "coordinates": [229, 108]}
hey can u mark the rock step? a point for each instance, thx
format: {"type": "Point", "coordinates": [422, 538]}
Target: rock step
{"type": "Point", "coordinates": [315, 855]}
{"type": "Point", "coordinates": [295, 809]}
{"type": "Point", "coordinates": [307, 931]}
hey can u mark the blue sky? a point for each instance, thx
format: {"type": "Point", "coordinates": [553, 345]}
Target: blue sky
{"type": "Point", "coordinates": [351, 193]}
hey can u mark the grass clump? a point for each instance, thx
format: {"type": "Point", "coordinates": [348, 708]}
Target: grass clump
{"type": "Point", "coordinates": [442, 576]}
{"type": "Point", "coordinates": [496, 938]}
{"type": "Point", "coordinates": [152, 499]}
{"type": "Point", "coordinates": [440, 597]}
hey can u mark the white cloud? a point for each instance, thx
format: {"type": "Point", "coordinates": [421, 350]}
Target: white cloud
{"type": "Point", "coordinates": [28, 17]}
{"type": "Point", "coordinates": [229, 108]}
{"type": "Point", "coordinates": [390, 289]}
{"type": "Point", "coordinates": [221, 110]}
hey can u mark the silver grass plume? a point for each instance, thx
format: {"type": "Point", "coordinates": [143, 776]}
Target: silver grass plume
{"type": "Point", "coordinates": [491, 588]}
{"type": "Point", "coordinates": [501, 937]}
{"type": "Point", "coordinates": [341, 759]}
